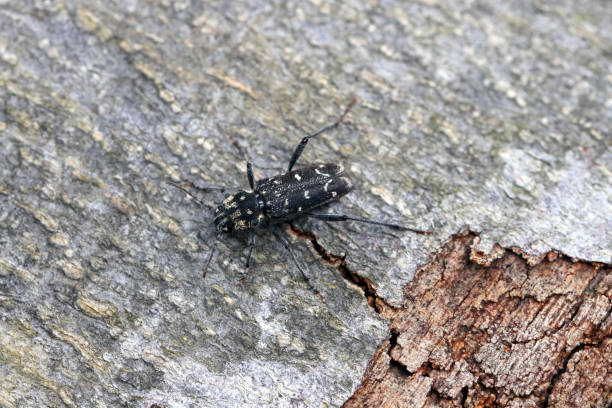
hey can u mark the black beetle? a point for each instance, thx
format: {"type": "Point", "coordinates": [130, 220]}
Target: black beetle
{"type": "Point", "coordinates": [281, 198]}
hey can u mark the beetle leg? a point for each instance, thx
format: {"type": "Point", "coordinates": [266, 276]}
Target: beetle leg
{"type": "Point", "coordinates": [285, 243]}
{"type": "Point", "coordinates": [212, 251]}
{"type": "Point", "coordinates": [250, 176]}
{"type": "Point", "coordinates": [300, 148]}
{"type": "Point", "coordinates": [251, 246]}
{"type": "Point", "coordinates": [339, 217]}
{"type": "Point", "coordinates": [201, 187]}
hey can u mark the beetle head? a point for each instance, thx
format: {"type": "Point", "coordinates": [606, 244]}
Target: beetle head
{"type": "Point", "coordinates": [238, 212]}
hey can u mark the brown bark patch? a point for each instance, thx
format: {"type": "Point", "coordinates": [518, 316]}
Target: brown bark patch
{"type": "Point", "coordinates": [506, 333]}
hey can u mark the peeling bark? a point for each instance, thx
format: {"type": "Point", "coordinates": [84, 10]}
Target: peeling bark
{"type": "Point", "coordinates": [481, 332]}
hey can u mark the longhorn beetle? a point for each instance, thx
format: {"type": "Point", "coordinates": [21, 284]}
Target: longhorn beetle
{"type": "Point", "coordinates": [281, 198]}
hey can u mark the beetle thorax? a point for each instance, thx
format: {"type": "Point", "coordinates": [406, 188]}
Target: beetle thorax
{"type": "Point", "coordinates": [239, 212]}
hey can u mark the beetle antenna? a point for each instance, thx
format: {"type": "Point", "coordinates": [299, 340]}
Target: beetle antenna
{"type": "Point", "coordinates": [346, 111]}
{"type": "Point", "coordinates": [300, 148]}
{"type": "Point", "coordinates": [184, 190]}
{"type": "Point", "coordinates": [204, 188]}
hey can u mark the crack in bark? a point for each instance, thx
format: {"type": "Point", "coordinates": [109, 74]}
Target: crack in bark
{"type": "Point", "coordinates": [464, 395]}
{"type": "Point", "coordinates": [490, 389]}
{"type": "Point", "coordinates": [555, 378]}
{"type": "Point", "coordinates": [376, 302]}
{"type": "Point", "coordinates": [401, 368]}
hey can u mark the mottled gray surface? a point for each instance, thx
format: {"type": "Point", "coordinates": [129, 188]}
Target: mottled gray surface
{"type": "Point", "coordinates": [487, 116]}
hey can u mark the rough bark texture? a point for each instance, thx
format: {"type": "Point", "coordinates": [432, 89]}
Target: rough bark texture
{"type": "Point", "coordinates": [501, 334]}
{"type": "Point", "coordinates": [490, 115]}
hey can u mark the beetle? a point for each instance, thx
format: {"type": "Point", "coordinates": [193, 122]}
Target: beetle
{"type": "Point", "coordinates": [281, 198]}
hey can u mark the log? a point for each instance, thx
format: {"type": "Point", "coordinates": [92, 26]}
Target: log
{"type": "Point", "coordinates": [485, 117]}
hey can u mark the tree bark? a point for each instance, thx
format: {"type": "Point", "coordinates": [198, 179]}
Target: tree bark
{"type": "Point", "coordinates": [486, 115]}
{"type": "Point", "coordinates": [477, 332]}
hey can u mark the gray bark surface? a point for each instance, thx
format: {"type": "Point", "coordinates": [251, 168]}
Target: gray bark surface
{"type": "Point", "coordinates": [495, 118]}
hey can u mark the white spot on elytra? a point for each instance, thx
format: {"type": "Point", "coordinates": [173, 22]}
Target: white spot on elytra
{"type": "Point", "coordinates": [277, 182]}
{"type": "Point", "coordinates": [249, 212]}
{"type": "Point", "coordinates": [321, 173]}
{"type": "Point", "coordinates": [299, 209]}
{"type": "Point", "coordinates": [326, 185]}
{"type": "Point", "coordinates": [306, 194]}
{"type": "Point", "coordinates": [334, 194]}
{"type": "Point", "coordinates": [297, 177]}
{"type": "Point", "coordinates": [242, 198]}
{"type": "Point", "coordinates": [286, 202]}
